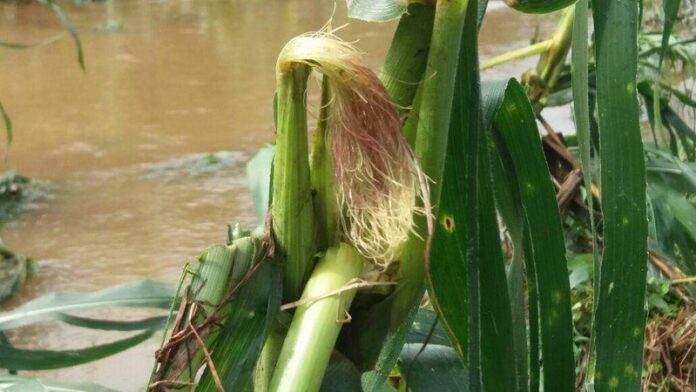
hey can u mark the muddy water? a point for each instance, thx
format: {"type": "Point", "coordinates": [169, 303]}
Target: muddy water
{"type": "Point", "coordinates": [125, 145]}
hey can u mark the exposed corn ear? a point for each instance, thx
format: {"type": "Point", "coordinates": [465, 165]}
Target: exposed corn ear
{"type": "Point", "coordinates": [320, 314]}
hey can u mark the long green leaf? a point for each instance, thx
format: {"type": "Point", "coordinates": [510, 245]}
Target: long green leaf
{"type": "Point", "coordinates": [20, 359]}
{"type": "Point", "coordinates": [515, 128]}
{"type": "Point", "coordinates": [453, 278]}
{"type": "Point", "coordinates": [18, 45]}
{"type": "Point", "coordinates": [671, 10]}
{"type": "Point", "coordinates": [581, 110]}
{"type": "Point", "coordinates": [8, 124]}
{"type": "Point", "coordinates": [620, 315]}
{"type": "Point", "coordinates": [21, 384]}
{"type": "Point", "coordinates": [70, 27]}
{"type": "Point", "coordinates": [432, 369]}
{"type": "Point", "coordinates": [52, 306]}
{"type": "Point", "coordinates": [510, 208]}
{"type": "Point", "coordinates": [154, 323]}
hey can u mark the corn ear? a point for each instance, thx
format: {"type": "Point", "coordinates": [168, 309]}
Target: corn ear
{"type": "Point", "coordinates": [291, 205]}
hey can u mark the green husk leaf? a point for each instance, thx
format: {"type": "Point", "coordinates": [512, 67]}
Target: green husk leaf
{"type": "Point", "coordinates": [291, 203]}
{"type": "Point", "coordinates": [258, 173]}
{"type": "Point", "coordinates": [247, 319]}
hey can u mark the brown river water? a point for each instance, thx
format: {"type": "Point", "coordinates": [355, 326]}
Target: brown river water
{"type": "Point", "coordinates": [121, 144]}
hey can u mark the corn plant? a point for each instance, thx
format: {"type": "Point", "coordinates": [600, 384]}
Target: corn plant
{"type": "Point", "coordinates": [379, 265]}
{"type": "Point", "coordinates": [401, 192]}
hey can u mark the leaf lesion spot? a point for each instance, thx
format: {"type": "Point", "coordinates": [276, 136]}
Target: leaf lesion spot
{"type": "Point", "coordinates": [448, 223]}
{"type": "Point", "coordinates": [613, 382]}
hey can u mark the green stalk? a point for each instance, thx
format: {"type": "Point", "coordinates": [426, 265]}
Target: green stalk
{"type": "Point", "coordinates": [293, 215]}
{"type": "Point", "coordinates": [519, 54]}
{"type": "Point", "coordinates": [551, 63]}
{"type": "Point", "coordinates": [317, 321]}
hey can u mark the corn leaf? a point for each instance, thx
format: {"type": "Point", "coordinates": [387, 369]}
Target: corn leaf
{"type": "Point", "coordinates": [376, 10]}
{"type": "Point", "coordinates": [21, 384]}
{"type": "Point", "coordinates": [515, 130]}
{"type": "Point", "coordinates": [70, 27]}
{"type": "Point", "coordinates": [157, 322]}
{"type": "Point", "coordinates": [426, 328]}
{"type": "Point", "coordinates": [419, 364]}
{"type": "Point", "coordinates": [341, 376]}
{"type": "Point", "coordinates": [620, 315]}
{"type": "Point", "coordinates": [18, 45]}
{"type": "Point", "coordinates": [453, 274]}
{"type": "Point", "coordinates": [20, 359]}
{"type": "Point", "coordinates": [538, 6]}
{"type": "Point", "coordinates": [671, 11]}
{"type": "Point", "coordinates": [53, 306]}
{"type": "Point", "coordinates": [510, 208]}
{"type": "Point", "coordinates": [8, 124]}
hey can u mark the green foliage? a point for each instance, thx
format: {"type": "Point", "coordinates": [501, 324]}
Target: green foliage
{"type": "Point", "coordinates": [21, 384]}
{"type": "Point", "coordinates": [539, 6]}
{"type": "Point", "coordinates": [54, 307]}
{"type": "Point", "coordinates": [620, 315]}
